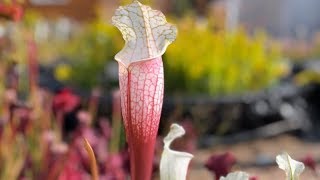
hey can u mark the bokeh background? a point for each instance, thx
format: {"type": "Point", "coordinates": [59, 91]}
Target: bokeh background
{"type": "Point", "coordinates": [242, 78]}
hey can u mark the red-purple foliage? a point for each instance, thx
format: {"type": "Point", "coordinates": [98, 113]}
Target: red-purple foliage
{"type": "Point", "coordinates": [114, 167]}
{"type": "Point", "coordinates": [11, 11]}
{"type": "Point", "coordinates": [65, 101]}
{"type": "Point", "coordinates": [309, 162]}
{"type": "Point", "coordinates": [72, 169]}
{"type": "Point", "coordinates": [253, 178]}
{"type": "Point", "coordinates": [220, 164]}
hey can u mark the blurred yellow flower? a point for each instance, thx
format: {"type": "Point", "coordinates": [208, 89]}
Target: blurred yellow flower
{"type": "Point", "coordinates": [62, 72]}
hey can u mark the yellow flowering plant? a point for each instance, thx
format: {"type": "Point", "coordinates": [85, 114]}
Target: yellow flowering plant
{"type": "Point", "coordinates": [220, 63]}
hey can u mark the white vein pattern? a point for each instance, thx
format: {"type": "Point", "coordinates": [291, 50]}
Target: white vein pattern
{"type": "Point", "coordinates": [146, 32]}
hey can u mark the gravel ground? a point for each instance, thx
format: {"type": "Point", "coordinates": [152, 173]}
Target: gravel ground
{"type": "Point", "coordinates": [262, 150]}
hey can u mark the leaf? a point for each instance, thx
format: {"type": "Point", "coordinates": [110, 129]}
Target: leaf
{"type": "Point", "coordinates": [236, 176]}
{"type": "Point", "coordinates": [292, 167]}
{"type": "Point", "coordinates": [174, 164]}
{"type": "Point", "coordinates": [146, 32]}
{"type": "Point", "coordinates": [92, 158]}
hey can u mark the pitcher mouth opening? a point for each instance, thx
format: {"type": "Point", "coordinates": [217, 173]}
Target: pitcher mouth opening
{"type": "Point", "coordinates": [128, 66]}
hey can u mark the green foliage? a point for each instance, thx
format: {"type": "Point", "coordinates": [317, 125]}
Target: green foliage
{"type": "Point", "coordinates": [220, 63]}
{"type": "Point", "coordinates": [90, 50]}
